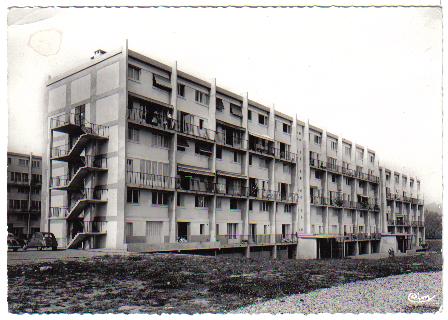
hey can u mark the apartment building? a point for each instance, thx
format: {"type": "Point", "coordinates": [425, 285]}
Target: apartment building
{"type": "Point", "coordinates": [144, 157]}
{"type": "Point", "coordinates": [24, 184]}
{"type": "Point", "coordinates": [403, 205]}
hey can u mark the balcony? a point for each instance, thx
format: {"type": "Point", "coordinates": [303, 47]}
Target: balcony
{"type": "Point", "coordinates": [286, 197]}
{"type": "Point", "coordinates": [150, 181]}
{"type": "Point", "coordinates": [191, 130]}
{"type": "Point", "coordinates": [317, 164]}
{"type": "Point", "coordinates": [254, 239]}
{"type": "Point", "coordinates": [406, 199]}
{"type": "Point", "coordinates": [230, 140]}
{"type": "Point", "coordinates": [319, 201]}
{"type": "Point", "coordinates": [349, 204]}
{"type": "Point", "coordinates": [194, 185]}
{"type": "Point", "coordinates": [88, 164]}
{"type": "Point", "coordinates": [231, 190]}
{"type": "Point", "coordinates": [285, 238]}
{"type": "Point", "coordinates": [284, 155]}
{"type": "Point", "coordinates": [363, 205]}
{"type": "Point", "coordinates": [162, 120]}
{"type": "Point", "coordinates": [348, 172]}
{"type": "Point", "coordinates": [397, 197]}
{"type": "Point", "coordinates": [261, 194]}
{"type": "Point", "coordinates": [334, 167]}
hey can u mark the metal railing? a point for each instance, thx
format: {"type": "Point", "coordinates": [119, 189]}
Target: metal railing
{"type": "Point", "coordinates": [235, 141]}
{"type": "Point", "coordinates": [93, 194]}
{"type": "Point", "coordinates": [150, 180]}
{"type": "Point", "coordinates": [259, 148]}
{"type": "Point", "coordinates": [284, 155]}
{"type": "Point", "coordinates": [228, 189]}
{"type": "Point", "coordinates": [58, 212]}
{"type": "Point", "coordinates": [319, 164]}
{"type": "Point", "coordinates": [71, 118]}
{"type": "Point", "coordinates": [286, 197]}
{"type": "Point", "coordinates": [261, 193]}
{"type": "Point", "coordinates": [194, 185]}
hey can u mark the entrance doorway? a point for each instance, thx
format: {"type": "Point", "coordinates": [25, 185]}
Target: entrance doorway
{"type": "Point", "coordinates": [183, 230]}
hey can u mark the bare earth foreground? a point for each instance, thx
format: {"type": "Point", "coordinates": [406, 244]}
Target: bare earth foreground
{"type": "Point", "coordinates": [167, 283]}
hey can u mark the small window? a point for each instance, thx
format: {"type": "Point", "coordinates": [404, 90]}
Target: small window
{"type": "Point", "coordinates": [181, 90]}
{"type": "Point", "coordinates": [287, 208]}
{"type": "Point", "coordinates": [160, 141]}
{"type": "Point", "coordinates": [317, 139]}
{"type": "Point", "coordinates": [218, 203]}
{"type": "Point", "coordinates": [262, 119]}
{"type": "Point", "coordinates": [219, 104]}
{"type": "Point", "coordinates": [201, 123]}
{"type": "Point", "coordinates": [333, 145]}
{"type": "Point", "coordinates": [159, 198]}
{"type": "Point", "coordinates": [233, 204]}
{"type": "Point", "coordinates": [133, 196]}
{"type": "Point", "coordinates": [179, 201]}
{"type": "Point", "coordinates": [201, 229]}
{"type": "Point", "coordinates": [333, 178]}
{"type": "Point", "coordinates": [264, 206]}
{"type": "Point", "coordinates": [201, 97]}
{"type": "Point", "coordinates": [317, 174]}
{"type": "Point", "coordinates": [347, 181]}
{"type": "Point", "coordinates": [286, 128]}
{"type": "Point", "coordinates": [236, 157]}
{"type": "Point", "coordinates": [250, 159]}
{"type": "Point", "coordinates": [200, 202]}
{"type": "Point", "coordinates": [251, 205]}
{"type": "Point", "coordinates": [249, 115]}
{"type": "Point", "coordinates": [218, 153]}
{"type": "Point", "coordinates": [236, 110]}
{"type": "Point", "coordinates": [372, 158]}
{"type": "Point", "coordinates": [347, 150]}
{"type": "Point", "coordinates": [133, 134]}
{"type": "Point", "coordinates": [134, 73]}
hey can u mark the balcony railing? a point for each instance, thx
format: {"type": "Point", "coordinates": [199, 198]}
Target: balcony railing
{"type": "Point", "coordinates": [348, 172]}
{"type": "Point", "coordinates": [285, 155]}
{"type": "Point", "coordinates": [318, 164]}
{"type": "Point", "coordinates": [362, 205]}
{"type": "Point", "coordinates": [333, 167]}
{"type": "Point", "coordinates": [286, 197]}
{"type": "Point", "coordinates": [286, 238]}
{"type": "Point", "coordinates": [73, 119]}
{"type": "Point", "coordinates": [229, 190]}
{"type": "Point", "coordinates": [349, 204]}
{"type": "Point", "coordinates": [195, 185]}
{"type": "Point", "coordinates": [196, 131]}
{"type": "Point", "coordinates": [232, 141]}
{"type": "Point", "coordinates": [148, 180]}
{"type": "Point", "coordinates": [320, 201]}
{"type": "Point", "coordinates": [261, 194]}
{"type": "Point", "coordinates": [336, 202]}
{"type": "Point", "coordinates": [93, 194]}
{"type": "Point", "coordinates": [259, 148]}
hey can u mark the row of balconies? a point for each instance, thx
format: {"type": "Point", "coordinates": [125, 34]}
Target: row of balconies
{"type": "Point", "coordinates": [371, 205]}
{"type": "Point", "coordinates": [158, 182]}
{"type": "Point", "coordinates": [397, 197]}
{"type": "Point", "coordinates": [185, 128]}
{"type": "Point", "coordinates": [405, 222]}
{"type": "Point", "coordinates": [321, 165]}
{"type": "Point", "coordinates": [86, 196]}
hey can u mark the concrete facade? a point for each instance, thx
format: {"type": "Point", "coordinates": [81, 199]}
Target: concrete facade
{"type": "Point", "coordinates": [24, 183]}
{"type": "Point", "coordinates": [144, 157]}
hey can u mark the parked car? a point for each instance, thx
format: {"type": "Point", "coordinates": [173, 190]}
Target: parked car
{"type": "Point", "coordinates": [13, 242]}
{"type": "Point", "coordinates": [41, 240]}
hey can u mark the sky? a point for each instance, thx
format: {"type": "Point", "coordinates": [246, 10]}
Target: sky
{"type": "Point", "coordinates": [372, 75]}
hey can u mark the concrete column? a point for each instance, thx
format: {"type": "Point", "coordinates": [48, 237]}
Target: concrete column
{"type": "Point", "coordinates": [212, 220]}
{"type": "Point", "coordinates": [172, 157]}
{"type": "Point", "coordinates": [306, 179]}
{"type": "Point", "coordinates": [295, 176]}
{"type": "Point", "coordinates": [245, 213]}
{"type": "Point", "coordinates": [273, 209]}
{"type": "Point", "coordinates": [274, 252]}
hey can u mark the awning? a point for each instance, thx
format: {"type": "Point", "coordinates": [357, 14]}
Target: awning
{"type": "Point", "coordinates": [194, 170]}
{"type": "Point", "coordinates": [160, 81]}
{"type": "Point", "coordinates": [236, 110]}
{"type": "Point", "coordinates": [261, 136]}
{"type": "Point", "coordinates": [230, 174]}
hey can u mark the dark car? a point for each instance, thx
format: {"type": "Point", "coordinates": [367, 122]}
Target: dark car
{"type": "Point", "coordinates": [13, 242]}
{"type": "Point", "coordinates": [41, 240]}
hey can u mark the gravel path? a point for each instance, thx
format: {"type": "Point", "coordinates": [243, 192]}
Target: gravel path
{"type": "Point", "coordinates": [380, 295]}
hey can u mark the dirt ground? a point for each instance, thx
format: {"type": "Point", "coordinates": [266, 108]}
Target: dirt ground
{"type": "Point", "coordinates": [170, 283]}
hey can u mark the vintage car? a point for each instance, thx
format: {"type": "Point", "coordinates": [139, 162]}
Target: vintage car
{"type": "Point", "coordinates": [13, 242]}
{"type": "Point", "coordinates": [41, 240]}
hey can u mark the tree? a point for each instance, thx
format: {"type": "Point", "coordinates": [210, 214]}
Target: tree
{"type": "Point", "coordinates": [433, 225]}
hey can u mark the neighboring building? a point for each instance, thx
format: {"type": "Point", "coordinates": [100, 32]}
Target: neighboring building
{"type": "Point", "coordinates": [144, 157]}
{"type": "Point", "coordinates": [24, 194]}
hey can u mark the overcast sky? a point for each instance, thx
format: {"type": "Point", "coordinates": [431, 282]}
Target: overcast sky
{"type": "Point", "coordinates": [372, 75]}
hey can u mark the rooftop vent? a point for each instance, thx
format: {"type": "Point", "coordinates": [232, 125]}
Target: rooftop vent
{"type": "Point", "coordinates": [97, 53]}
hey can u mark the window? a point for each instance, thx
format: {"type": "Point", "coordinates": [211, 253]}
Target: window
{"type": "Point", "coordinates": [397, 178]}
{"type": "Point", "coordinates": [24, 204]}
{"type": "Point", "coordinates": [236, 110]}
{"type": "Point", "coordinates": [25, 177]}
{"type": "Point", "coordinates": [159, 198]}
{"type": "Point", "coordinates": [201, 123]}
{"type": "Point", "coordinates": [202, 149]}
{"type": "Point", "coordinates": [250, 159]}
{"type": "Point", "coordinates": [181, 90]}
{"type": "Point", "coordinates": [201, 229]}
{"type": "Point", "coordinates": [249, 115]}
{"type": "Point", "coordinates": [286, 128]}
{"type": "Point", "coordinates": [133, 196]}
{"type": "Point", "coordinates": [264, 206]}
{"type": "Point", "coordinates": [160, 141]}
{"type": "Point", "coordinates": [236, 157]}
{"type": "Point", "coordinates": [262, 119]}
{"type": "Point", "coordinates": [35, 164]}
{"type": "Point", "coordinates": [347, 181]}
{"type": "Point", "coordinates": [231, 230]}
{"type": "Point", "coordinates": [200, 202]}
{"type": "Point", "coordinates": [9, 161]}
{"type": "Point", "coordinates": [411, 183]}
{"type": "Point", "coordinates": [134, 73]}
{"type": "Point", "coordinates": [251, 205]}
{"type": "Point", "coordinates": [218, 152]}
{"type": "Point", "coordinates": [219, 104]}
{"type": "Point", "coordinates": [333, 145]}
{"type": "Point", "coordinates": [218, 203]}
{"type": "Point", "coordinates": [201, 97]}
{"type": "Point", "coordinates": [317, 174]}
{"type": "Point", "coordinates": [23, 162]}
{"type": "Point", "coordinates": [372, 158]}
{"type": "Point", "coordinates": [317, 139]}
{"type": "Point", "coordinates": [288, 208]}
{"type": "Point", "coordinates": [129, 229]}
{"type": "Point", "coordinates": [333, 178]}
{"type": "Point", "coordinates": [347, 150]}
{"type": "Point", "coordinates": [129, 165]}
{"type": "Point", "coordinates": [233, 204]}
{"type": "Point", "coordinates": [264, 163]}
{"type": "Point", "coordinates": [179, 200]}
{"type": "Point", "coordinates": [133, 134]}
{"type": "Point", "coordinates": [182, 143]}
{"type": "Point", "coordinates": [387, 176]}
{"type": "Point", "coordinates": [360, 155]}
